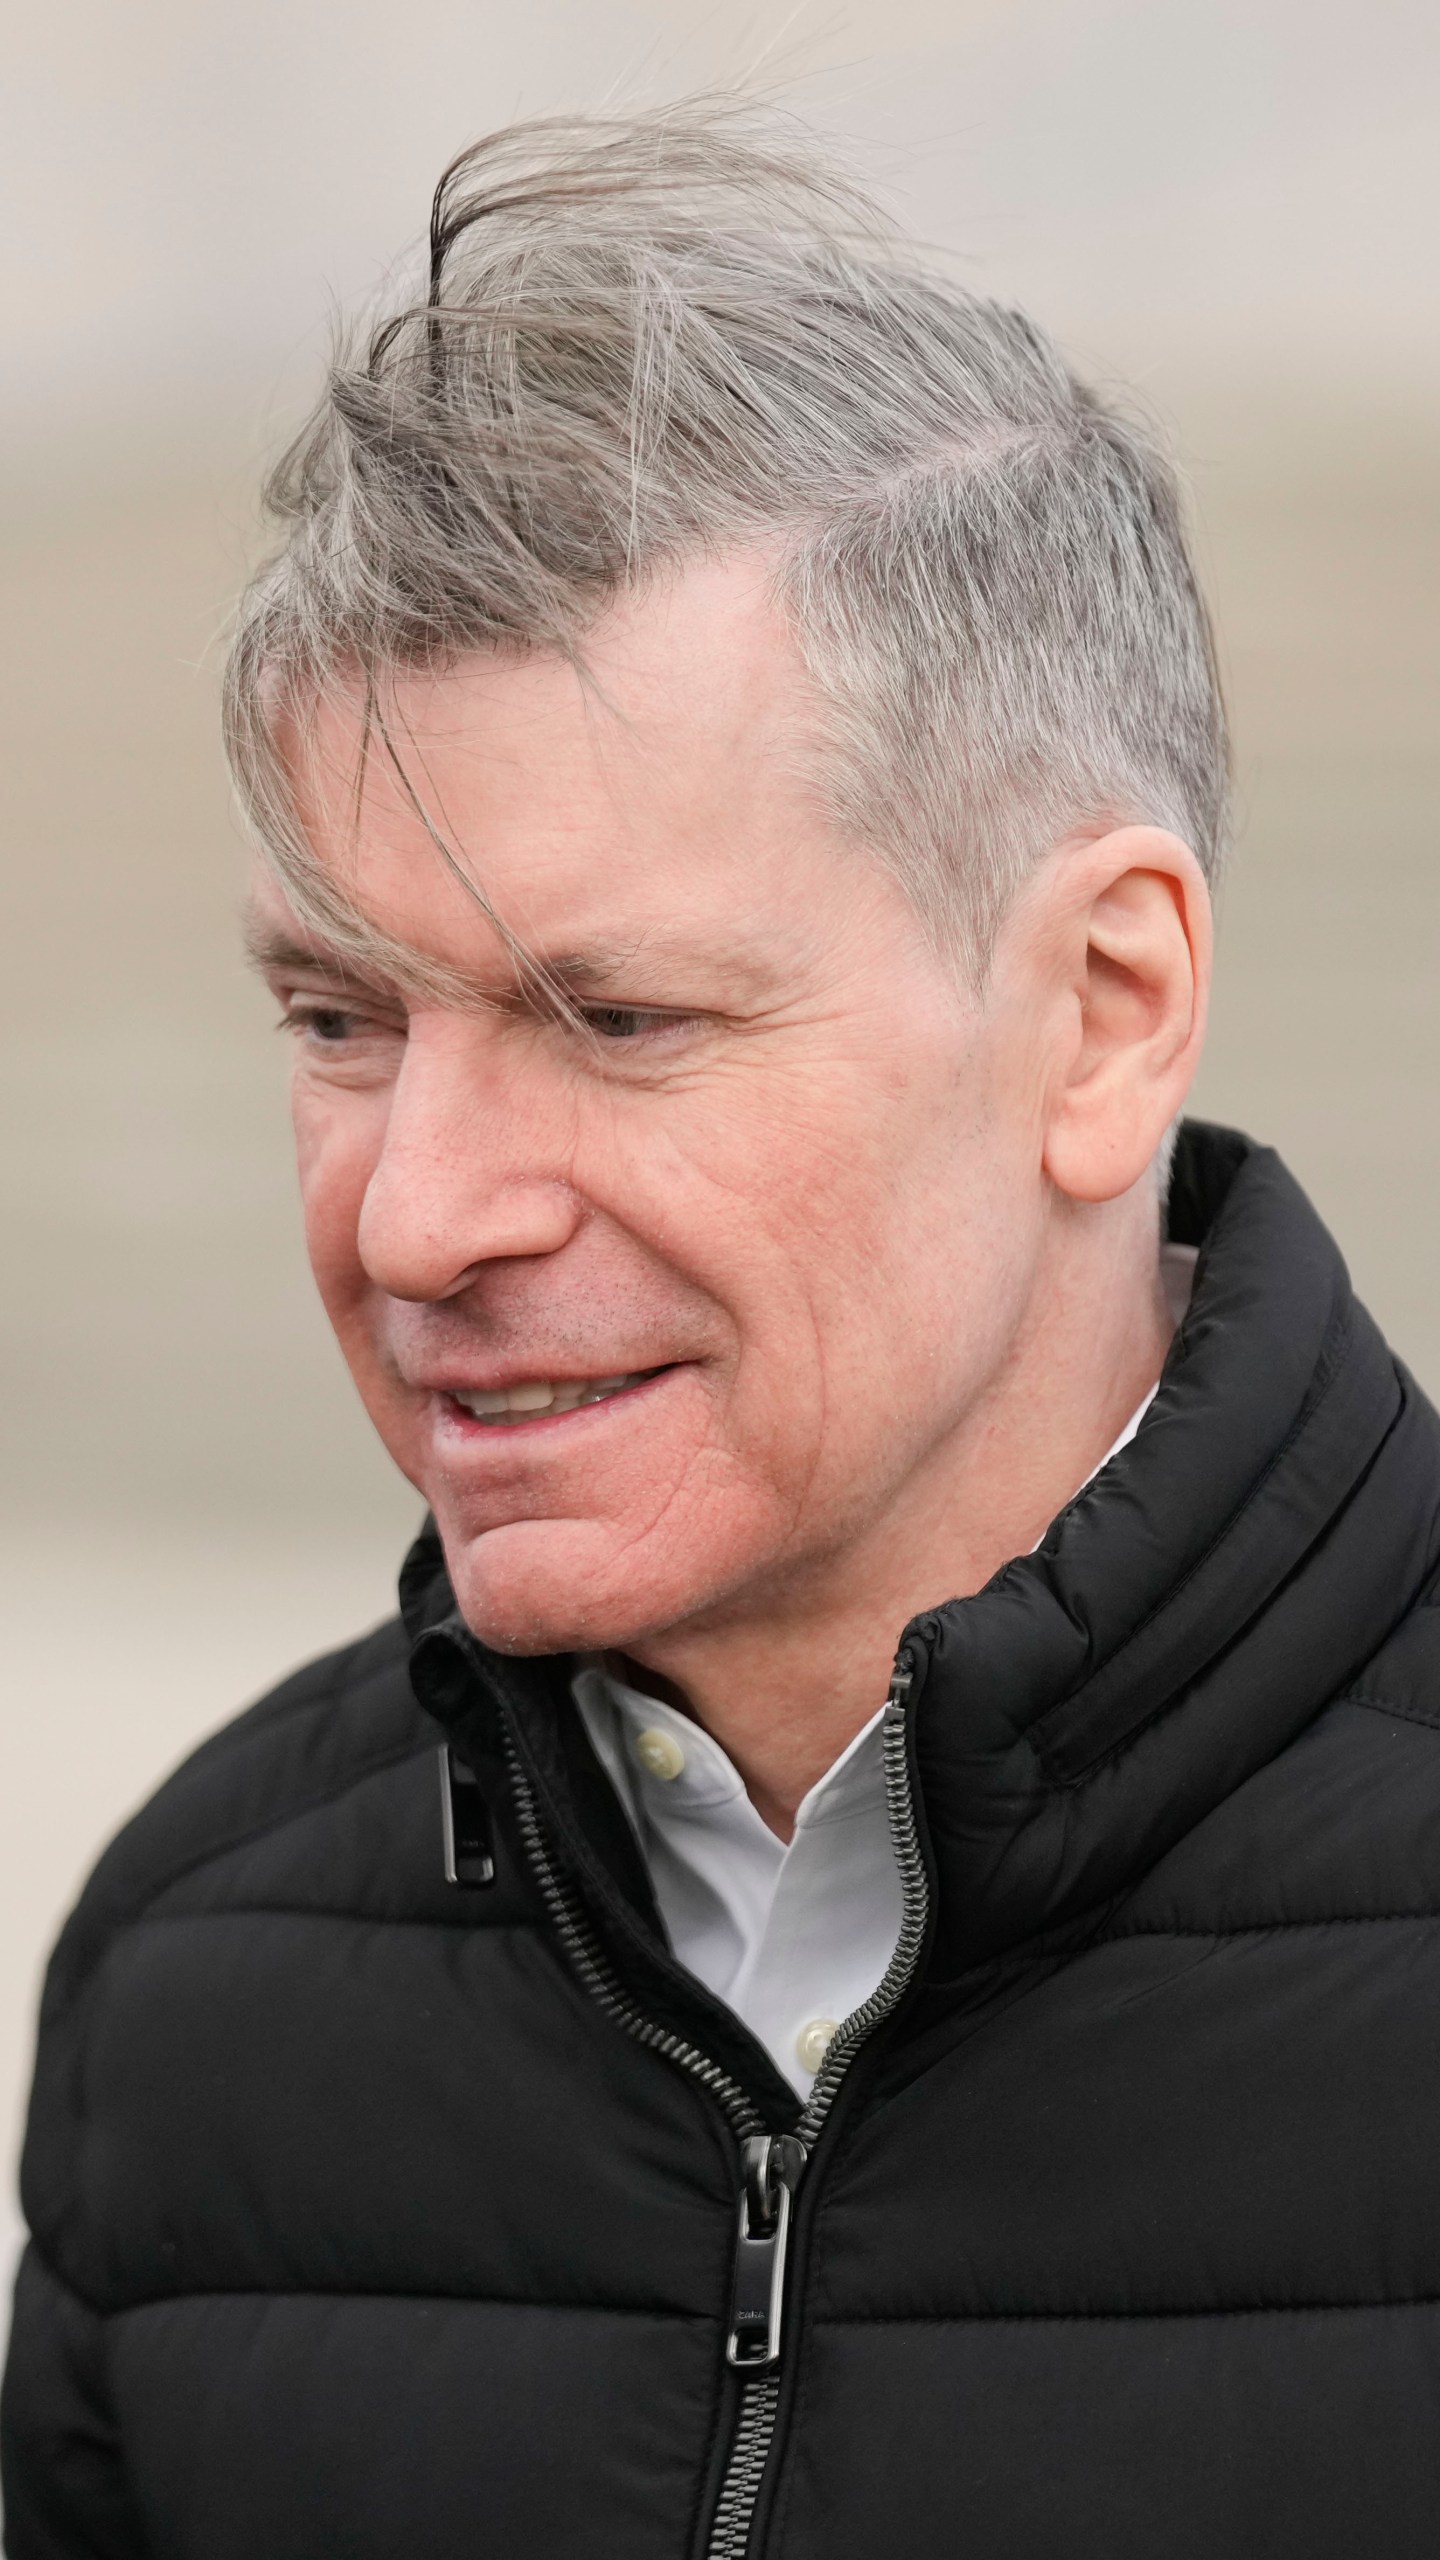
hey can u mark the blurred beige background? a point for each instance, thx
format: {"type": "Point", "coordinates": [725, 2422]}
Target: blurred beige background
{"type": "Point", "coordinates": [1231, 203]}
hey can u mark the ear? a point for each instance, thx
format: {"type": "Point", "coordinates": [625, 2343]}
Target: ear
{"type": "Point", "coordinates": [1132, 948]}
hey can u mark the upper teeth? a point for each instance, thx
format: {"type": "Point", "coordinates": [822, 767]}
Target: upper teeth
{"type": "Point", "coordinates": [541, 1395]}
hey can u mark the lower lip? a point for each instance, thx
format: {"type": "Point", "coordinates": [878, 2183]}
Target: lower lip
{"type": "Point", "coordinates": [473, 1428]}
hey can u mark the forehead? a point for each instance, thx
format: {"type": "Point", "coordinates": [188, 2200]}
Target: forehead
{"type": "Point", "coordinates": [660, 780]}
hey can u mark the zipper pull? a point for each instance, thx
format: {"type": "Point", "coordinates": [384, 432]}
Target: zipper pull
{"type": "Point", "coordinates": [469, 1858]}
{"type": "Point", "coordinates": [772, 2164]}
{"type": "Point", "coordinates": [902, 1679]}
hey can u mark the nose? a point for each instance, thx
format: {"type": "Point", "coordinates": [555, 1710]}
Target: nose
{"type": "Point", "coordinates": [470, 1171]}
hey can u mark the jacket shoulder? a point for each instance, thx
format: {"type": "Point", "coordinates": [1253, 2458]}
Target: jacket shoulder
{"type": "Point", "coordinates": [317, 1734]}
{"type": "Point", "coordinates": [1342, 1825]}
{"type": "Point", "coordinates": [1403, 1678]}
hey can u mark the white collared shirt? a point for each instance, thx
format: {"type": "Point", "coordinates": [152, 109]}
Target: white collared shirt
{"type": "Point", "coordinates": [793, 1934]}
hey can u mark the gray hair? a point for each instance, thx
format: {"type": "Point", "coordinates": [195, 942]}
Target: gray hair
{"type": "Point", "coordinates": [652, 338]}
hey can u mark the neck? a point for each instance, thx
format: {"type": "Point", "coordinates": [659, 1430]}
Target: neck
{"type": "Point", "coordinates": [785, 1687]}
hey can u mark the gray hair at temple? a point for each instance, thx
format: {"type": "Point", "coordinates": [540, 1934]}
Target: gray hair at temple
{"type": "Point", "coordinates": [656, 337]}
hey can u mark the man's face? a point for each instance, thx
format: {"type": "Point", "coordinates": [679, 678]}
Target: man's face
{"type": "Point", "coordinates": [771, 1219]}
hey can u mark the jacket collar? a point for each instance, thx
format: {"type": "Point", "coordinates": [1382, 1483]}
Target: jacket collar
{"type": "Point", "coordinates": [1189, 1613]}
{"type": "Point", "coordinates": [1185, 1617]}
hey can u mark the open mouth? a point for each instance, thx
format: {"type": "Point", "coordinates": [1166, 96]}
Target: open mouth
{"type": "Point", "coordinates": [535, 1399]}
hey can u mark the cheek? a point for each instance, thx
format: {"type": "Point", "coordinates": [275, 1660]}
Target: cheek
{"type": "Point", "coordinates": [843, 1172]}
{"type": "Point", "coordinates": [806, 1218]}
{"type": "Point", "coordinates": [882, 1286]}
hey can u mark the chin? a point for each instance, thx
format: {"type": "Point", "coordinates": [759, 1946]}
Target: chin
{"type": "Point", "coordinates": [563, 1586]}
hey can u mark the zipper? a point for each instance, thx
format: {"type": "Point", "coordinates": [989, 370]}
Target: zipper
{"type": "Point", "coordinates": [772, 2165]}
{"type": "Point", "coordinates": [588, 1959]}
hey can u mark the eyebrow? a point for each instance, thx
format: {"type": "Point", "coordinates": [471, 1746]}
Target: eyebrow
{"type": "Point", "coordinates": [601, 964]}
{"type": "Point", "coordinates": [271, 949]}
{"type": "Point", "coordinates": [275, 949]}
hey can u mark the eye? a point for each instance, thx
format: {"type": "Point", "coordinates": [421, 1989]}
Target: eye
{"type": "Point", "coordinates": [329, 1025]}
{"type": "Point", "coordinates": [631, 1022]}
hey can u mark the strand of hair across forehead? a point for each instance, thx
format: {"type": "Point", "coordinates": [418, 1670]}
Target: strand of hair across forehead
{"type": "Point", "coordinates": [539, 983]}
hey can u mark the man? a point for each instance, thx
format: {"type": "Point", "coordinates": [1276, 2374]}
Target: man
{"type": "Point", "coordinates": [909, 2023]}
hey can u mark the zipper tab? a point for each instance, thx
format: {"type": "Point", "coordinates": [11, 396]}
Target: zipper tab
{"type": "Point", "coordinates": [469, 1858]}
{"type": "Point", "coordinates": [772, 2168]}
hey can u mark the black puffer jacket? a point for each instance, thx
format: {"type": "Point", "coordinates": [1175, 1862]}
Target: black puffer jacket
{"type": "Point", "coordinates": [383, 2218]}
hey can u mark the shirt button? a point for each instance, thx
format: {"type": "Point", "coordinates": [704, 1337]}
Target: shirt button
{"type": "Point", "coordinates": [813, 2042]}
{"type": "Point", "coordinates": [659, 1752]}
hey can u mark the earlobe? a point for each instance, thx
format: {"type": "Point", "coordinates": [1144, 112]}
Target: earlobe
{"type": "Point", "coordinates": [1138, 963]}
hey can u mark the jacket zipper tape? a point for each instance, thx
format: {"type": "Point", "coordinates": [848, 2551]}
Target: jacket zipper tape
{"type": "Point", "coordinates": [771, 2165]}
